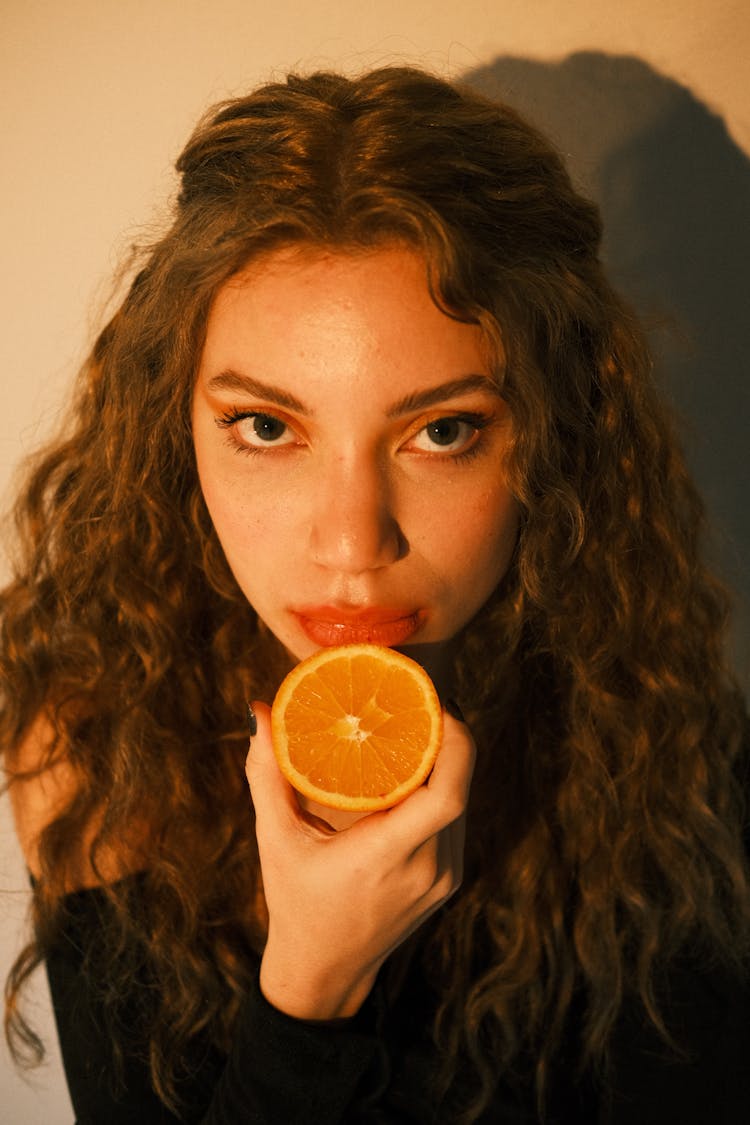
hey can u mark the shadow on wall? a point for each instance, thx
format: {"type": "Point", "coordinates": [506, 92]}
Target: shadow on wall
{"type": "Point", "coordinates": [674, 191]}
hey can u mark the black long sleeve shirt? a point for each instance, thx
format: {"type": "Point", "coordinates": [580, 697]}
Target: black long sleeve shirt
{"type": "Point", "coordinates": [381, 1066]}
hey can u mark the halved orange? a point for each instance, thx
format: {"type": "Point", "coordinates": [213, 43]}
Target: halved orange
{"type": "Point", "coordinates": [356, 727]}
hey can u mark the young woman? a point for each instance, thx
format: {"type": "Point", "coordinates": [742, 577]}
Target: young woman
{"type": "Point", "coordinates": [372, 384]}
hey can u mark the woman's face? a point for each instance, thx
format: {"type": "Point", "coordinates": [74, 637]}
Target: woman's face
{"type": "Point", "coordinates": [350, 441]}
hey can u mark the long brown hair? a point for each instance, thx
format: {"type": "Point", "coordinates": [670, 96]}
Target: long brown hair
{"type": "Point", "coordinates": [605, 822]}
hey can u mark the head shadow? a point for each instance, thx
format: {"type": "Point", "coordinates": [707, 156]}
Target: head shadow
{"type": "Point", "coordinates": [674, 191]}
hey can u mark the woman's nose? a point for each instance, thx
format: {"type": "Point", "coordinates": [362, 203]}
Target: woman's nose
{"type": "Point", "coordinates": [354, 526]}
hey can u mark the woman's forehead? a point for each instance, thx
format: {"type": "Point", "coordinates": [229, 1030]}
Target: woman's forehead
{"type": "Point", "coordinates": [309, 316]}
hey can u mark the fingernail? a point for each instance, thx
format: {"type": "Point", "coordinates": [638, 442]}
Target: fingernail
{"type": "Point", "coordinates": [252, 722]}
{"type": "Point", "coordinates": [453, 709]}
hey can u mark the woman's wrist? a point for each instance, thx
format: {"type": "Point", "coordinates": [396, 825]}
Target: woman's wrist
{"type": "Point", "coordinates": [307, 992]}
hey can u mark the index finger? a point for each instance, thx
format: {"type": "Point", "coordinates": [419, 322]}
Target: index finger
{"type": "Point", "coordinates": [444, 796]}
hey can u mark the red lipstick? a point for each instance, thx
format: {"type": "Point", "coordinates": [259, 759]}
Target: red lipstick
{"type": "Point", "coordinates": [347, 625]}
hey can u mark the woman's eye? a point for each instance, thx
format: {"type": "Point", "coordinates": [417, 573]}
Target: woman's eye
{"type": "Point", "coordinates": [258, 430]}
{"type": "Point", "coordinates": [449, 435]}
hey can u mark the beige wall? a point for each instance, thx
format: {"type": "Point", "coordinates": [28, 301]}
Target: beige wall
{"type": "Point", "coordinates": [97, 96]}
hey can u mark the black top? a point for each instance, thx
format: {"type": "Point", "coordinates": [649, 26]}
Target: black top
{"type": "Point", "coordinates": [381, 1067]}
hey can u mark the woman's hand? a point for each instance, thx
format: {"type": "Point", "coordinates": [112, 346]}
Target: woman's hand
{"type": "Point", "coordinates": [340, 902]}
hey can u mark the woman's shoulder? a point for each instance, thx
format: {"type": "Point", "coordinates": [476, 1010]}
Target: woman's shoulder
{"type": "Point", "coordinates": [42, 784]}
{"type": "Point", "coordinates": [40, 787]}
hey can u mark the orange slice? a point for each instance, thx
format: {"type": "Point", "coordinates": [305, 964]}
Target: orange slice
{"type": "Point", "coordinates": [356, 727]}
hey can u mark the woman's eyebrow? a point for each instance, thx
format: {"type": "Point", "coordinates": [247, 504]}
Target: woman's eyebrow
{"type": "Point", "coordinates": [418, 400]}
{"type": "Point", "coordinates": [230, 380]}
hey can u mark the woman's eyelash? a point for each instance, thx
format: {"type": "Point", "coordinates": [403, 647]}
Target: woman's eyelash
{"type": "Point", "coordinates": [478, 421]}
{"type": "Point", "coordinates": [230, 417]}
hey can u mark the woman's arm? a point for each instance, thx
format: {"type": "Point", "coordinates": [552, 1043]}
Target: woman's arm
{"type": "Point", "coordinates": [278, 1070]}
{"type": "Point", "coordinates": [340, 902]}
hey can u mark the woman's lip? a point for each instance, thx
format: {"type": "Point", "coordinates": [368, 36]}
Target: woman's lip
{"type": "Point", "coordinates": [330, 625]}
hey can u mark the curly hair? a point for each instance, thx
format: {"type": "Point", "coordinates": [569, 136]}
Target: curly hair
{"type": "Point", "coordinates": [604, 832]}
